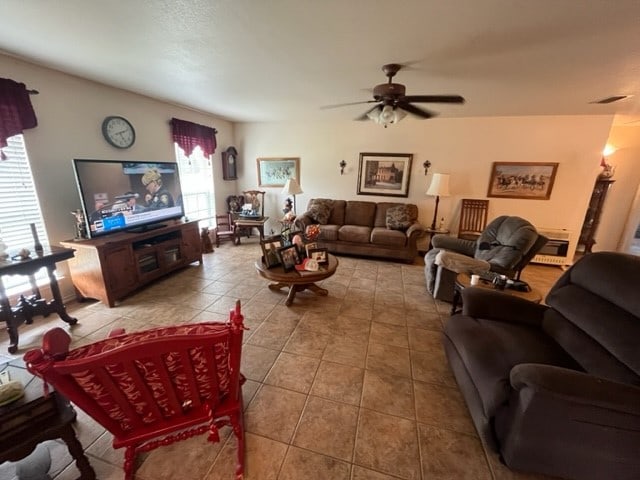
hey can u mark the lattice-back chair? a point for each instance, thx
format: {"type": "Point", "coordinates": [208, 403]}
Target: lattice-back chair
{"type": "Point", "coordinates": [256, 199]}
{"type": "Point", "coordinates": [153, 387]}
{"type": "Point", "coordinates": [225, 228]}
{"type": "Point", "coordinates": [473, 218]}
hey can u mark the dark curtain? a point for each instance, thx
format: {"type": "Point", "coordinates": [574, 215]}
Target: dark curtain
{"type": "Point", "coordinates": [189, 135]}
{"type": "Point", "coordinates": [16, 111]}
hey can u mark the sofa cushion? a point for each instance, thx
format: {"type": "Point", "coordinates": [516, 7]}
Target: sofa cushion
{"type": "Point", "coordinates": [384, 236]}
{"type": "Point", "coordinates": [354, 233]}
{"type": "Point", "coordinates": [360, 213]}
{"type": "Point", "coordinates": [398, 218]}
{"type": "Point", "coordinates": [329, 232]}
{"type": "Point", "coordinates": [337, 212]}
{"type": "Point", "coordinates": [485, 347]}
{"type": "Point", "coordinates": [319, 210]}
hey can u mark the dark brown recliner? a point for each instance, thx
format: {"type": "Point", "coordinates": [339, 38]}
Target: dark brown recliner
{"type": "Point", "coordinates": [555, 389]}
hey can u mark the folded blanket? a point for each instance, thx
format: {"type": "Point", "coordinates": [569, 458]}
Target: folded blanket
{"type": "Point", "coordinates": [456, 262]}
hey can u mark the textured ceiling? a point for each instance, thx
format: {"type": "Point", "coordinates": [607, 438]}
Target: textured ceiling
{"type": "Point", "coordinates": [283, 59]}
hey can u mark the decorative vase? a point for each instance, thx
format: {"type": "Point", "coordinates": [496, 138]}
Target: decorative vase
{"type": "Point", "coordinates": [37, 246]}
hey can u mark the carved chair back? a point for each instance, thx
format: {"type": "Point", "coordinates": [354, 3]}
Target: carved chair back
{"type": "Point", "coordinates": [256, 199]}
{"type": "Point", "coordinates": [473, 218]}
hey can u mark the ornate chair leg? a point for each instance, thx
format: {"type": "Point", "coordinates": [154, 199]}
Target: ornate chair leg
{"type": "Point", "coordinates": [237, 422]}
{"type": "Point", "coordinates": [129, 459]}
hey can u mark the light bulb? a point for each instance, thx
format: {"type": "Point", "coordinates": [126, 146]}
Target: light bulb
{"type": "Point", "coordinates": [387, 116]}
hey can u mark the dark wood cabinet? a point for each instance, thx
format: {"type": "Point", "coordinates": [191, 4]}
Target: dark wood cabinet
{"type": "Point", "coordinates": [594, 211]}
{"type": "Point", "coordinates": [111, 267]}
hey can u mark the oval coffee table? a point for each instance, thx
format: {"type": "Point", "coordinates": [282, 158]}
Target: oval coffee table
{"type": "Point", "coordinates": [463, 280]}
{"type": "Point", "coordinates": [295, 281]}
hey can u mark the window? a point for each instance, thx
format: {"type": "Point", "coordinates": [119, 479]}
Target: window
{"type": "Point", "coordinates": [196, 180]}
{"type": "Point", "coordinates": [19, 204]}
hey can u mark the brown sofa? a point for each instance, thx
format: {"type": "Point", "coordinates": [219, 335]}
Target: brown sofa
{"type": "Point", "coordinates": [375, 229]}
{"type": "Point", "coordinates": [555, 388]}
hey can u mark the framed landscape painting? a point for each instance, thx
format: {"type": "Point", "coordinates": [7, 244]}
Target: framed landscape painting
{"type": "Point", "coordinates": [526, 180]}
{"type": "Point", "coordinates": [384, 174]}
{"type": "Point", "coordinates": [274, 172]}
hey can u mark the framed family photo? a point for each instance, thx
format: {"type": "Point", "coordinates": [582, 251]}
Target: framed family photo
{"type": "Point", "coordinates": [320, 255]}
{"type": "Point", "coordinates": [526, 180]}
{"type": "Point", "coordinates": [270, 246]}
{"type": "Point", "coordinates": [384, 174]}
{"type": "Point", "coordinates": [289, 257]}
{"type": "Point", "coordinates": [274, 172]}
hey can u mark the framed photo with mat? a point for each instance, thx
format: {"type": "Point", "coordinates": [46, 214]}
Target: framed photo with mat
{"type": "Point", "coordinates": [270, 246]}
{"type": "Point", "coordinates": [320, 255]}
{"type": "Point", "coordinates": [289, 257]}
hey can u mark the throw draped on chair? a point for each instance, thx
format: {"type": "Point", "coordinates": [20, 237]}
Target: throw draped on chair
{"type": "Point", "coordinates": [153, 387]}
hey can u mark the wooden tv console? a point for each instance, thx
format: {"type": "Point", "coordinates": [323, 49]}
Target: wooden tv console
{"type": "Point", "coordinates": [111, 267]}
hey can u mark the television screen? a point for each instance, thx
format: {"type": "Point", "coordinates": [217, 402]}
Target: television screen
{"type": "Point", "coordinates": [127, 195]}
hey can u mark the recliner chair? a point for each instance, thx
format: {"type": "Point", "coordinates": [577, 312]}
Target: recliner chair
{"type": "Point", "coordinates": [505, 246]}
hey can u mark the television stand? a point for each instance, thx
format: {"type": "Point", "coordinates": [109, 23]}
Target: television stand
{"type": "Point", "coordinates": [110, 267]}
{"type": "Point", "coordinates": [145, 228]}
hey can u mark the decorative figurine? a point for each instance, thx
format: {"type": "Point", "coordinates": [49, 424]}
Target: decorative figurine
{"type": "Point", "coordinates": [81, 225]}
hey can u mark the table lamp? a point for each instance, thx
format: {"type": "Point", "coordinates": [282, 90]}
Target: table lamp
{"type": "Point", "coordinates": [292, 188]}
{"type": "Point", "coordinates": [439, 188]}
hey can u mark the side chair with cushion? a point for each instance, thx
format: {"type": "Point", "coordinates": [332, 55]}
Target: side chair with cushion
{"type": "Point", "coordinates": [555, 389]}
{"type": "Point", "coordinates": [153, 387]}
{"type": "Point", "coordinates": [505, 246]}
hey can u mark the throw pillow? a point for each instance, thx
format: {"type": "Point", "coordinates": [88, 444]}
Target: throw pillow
{"type": "Point", "coordinates": [320, 210]}
{"type": "Point", "coordinates": [399, 218]}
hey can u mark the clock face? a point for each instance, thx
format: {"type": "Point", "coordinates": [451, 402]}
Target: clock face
{"type": "Point", "coordinates": [118, 132]}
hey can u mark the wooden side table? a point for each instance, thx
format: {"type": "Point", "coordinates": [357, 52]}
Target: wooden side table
{"type": "Point", "coordinates": [431, 232]}
{"type": "Point", "coordinates": [248, 223]}
{"type": "Point", "coordinates": [35, 418]}
{"type": "Point", "coordinates": [463, 280]}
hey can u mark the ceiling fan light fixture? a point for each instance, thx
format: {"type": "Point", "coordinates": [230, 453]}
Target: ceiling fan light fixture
{"type": "Point", "coordinates": [374, 115]}
{"type": "Point", "coordinates": [387, 115]}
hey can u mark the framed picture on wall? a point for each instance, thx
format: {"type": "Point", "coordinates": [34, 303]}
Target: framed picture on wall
{"type": "Point", "coordinates": [384, 174]}
{"type": "Point", "coordinates": [525, 180]}
{"type": "Point", "coordinates": [274, 172]}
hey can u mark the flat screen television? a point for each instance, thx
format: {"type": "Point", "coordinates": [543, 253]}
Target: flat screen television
{"type": "Point", "coordinates": [127, 195]}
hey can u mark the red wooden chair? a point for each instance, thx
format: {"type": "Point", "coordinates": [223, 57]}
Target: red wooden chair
{"type": "Point", "coordinates": [153, 387]}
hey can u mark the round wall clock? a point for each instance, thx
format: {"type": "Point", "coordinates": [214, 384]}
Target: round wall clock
{"type": "Point", "coordinates": [118, 131]}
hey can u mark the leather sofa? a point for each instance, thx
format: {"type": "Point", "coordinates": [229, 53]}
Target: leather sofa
{"type": "Point", "coordinates": [376, 229]}
{"type": "Point", "coordinates": [505, 246]}
{"type": "Point", "coordinates": [555, 389]}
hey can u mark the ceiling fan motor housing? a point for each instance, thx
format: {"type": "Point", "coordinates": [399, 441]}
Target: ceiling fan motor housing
{"type": "Point", "coordinates": [388, 90]}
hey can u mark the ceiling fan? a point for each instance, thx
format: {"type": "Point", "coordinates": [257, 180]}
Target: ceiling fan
{"type": "Point", "coordinates": [392, 105]}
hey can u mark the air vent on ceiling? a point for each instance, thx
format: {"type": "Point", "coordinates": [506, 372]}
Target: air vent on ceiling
{"type": "Point", "coordinates": [615, 98]}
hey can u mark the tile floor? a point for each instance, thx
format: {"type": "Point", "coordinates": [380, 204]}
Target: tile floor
{"type": "Point", "coordinates": [350, 386]}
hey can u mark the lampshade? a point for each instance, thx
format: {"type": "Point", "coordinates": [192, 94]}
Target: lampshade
{"type": "Point", "coordinates": [439, 185]}
{"type": "Point", "coordinates": [292, 187]}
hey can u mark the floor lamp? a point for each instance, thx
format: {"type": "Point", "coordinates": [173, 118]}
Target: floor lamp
{"type": "Point", "coordinates": [439, 188]}
{"type": "Point", "coordinates": [292, 188]}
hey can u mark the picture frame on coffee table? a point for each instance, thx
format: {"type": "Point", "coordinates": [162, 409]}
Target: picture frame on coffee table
{"type": "Point", "coordinates": [384, 174]}
{"type": "Point", "coordinates": [270, 246]}
{"type": "Point", "coordinates": [320, 255]}
{"type": "Point", "coordinates": [289, 257]}
{"type": "Point", "coordinates": [524, 180]}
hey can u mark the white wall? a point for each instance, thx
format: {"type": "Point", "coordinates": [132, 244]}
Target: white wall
{"type": "Point", "coordinates": [70, 111]}
{"type": "Point", "coordinates": [462, 147]}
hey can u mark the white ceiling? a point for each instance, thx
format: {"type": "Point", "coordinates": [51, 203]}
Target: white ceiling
{"type": "Point", "coordinates": [271, 60]}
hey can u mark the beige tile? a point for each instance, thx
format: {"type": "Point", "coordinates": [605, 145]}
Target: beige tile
{"type": "Point", "coordinates": [356, 309]}
{"type": "Point", "coordinates": [307, 342]}
{"type": "Point", "coordinates": [388, 394]}
{"type": "Point", "coordinates": [257, 361]}
{"type": "Point", "coordinates": [274, 413]}
{"type": "Point", "coordinates": [302, 464]}
{"type": "Point", "coordinates": [423, 319]}
{"type": "Point", "coordinates": [441, 451]}
{"type": "Point", "coordinates": [387, 444]}
{"type": "Point", "coordinates": [295, 372]}
{"type": "Point", "coordinates": [385, 334]}
{"type": "Point", "coordinates": [502, 472]}
{"type": "Point", "coordinates": [262, 460]}
{"type": "Point", "coordinates": [424, 340]}
{"type": "Point", "coordinates": [347, 350]}
{"type": "Point", "coordinates": [328, 428]}
{"type": "Point", "coordinates": [442, 406]}
{"type": "Point", "coordinates": [271, 335]}
{"type": "Point", "coordinates": [431, 366]}
{"type": "Point", "coordinates": [361, 473]}
{"type": "Point", "coordinates": [103, 470]}
{"type": "Point", "coordinates": [338, 382]}
{"type": "Point", "coordinates": [392, 316]}
{"type": "Point", "coordinates": [389, 359]}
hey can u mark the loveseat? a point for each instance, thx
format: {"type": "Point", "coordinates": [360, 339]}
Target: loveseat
{"type": "Point", "coordinates": [376, 229]}
{"type": "Point", "coordinates": [555, 388]}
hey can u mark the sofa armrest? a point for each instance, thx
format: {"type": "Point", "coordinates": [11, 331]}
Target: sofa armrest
{"type": "Point", "coordinates": [415, 230]}
{"type": "Point", "coordinates": [459, 245]}
{"type": "Point", "coordinates": [496, 305]}
{"type": "Point", "coordinates": [577, 388]}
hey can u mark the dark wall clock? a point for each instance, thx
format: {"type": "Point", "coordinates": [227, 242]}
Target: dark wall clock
{"type": "Point", "coordinates": [118, 132]}
{"type": "Point", "coordinates": [230, 164]}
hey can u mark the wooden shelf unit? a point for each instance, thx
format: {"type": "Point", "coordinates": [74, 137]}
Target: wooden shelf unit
{"type": "Point", "coordinates": [111, 267]}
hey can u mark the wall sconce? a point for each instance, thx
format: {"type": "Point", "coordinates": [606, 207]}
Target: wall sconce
{"type": "Point", "coordinates": [426, 166]}
{"type": "Point", "coordinates": [342, 165]}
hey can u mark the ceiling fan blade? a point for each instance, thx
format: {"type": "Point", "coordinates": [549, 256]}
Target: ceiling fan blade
{"type": "Point", "coordinates": [433, 98]}
{"type": "Point", "coordinates": [325, 107]}
{"type": "Point", "coordinates": [364, 116]}
{"type": "Point", "coordinates": [419, 112]}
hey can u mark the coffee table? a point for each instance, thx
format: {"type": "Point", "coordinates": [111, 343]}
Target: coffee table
{"type": "Point", "coordinates": [295, 281]}
{"type": "Point", "coordinates": [463, 280]}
